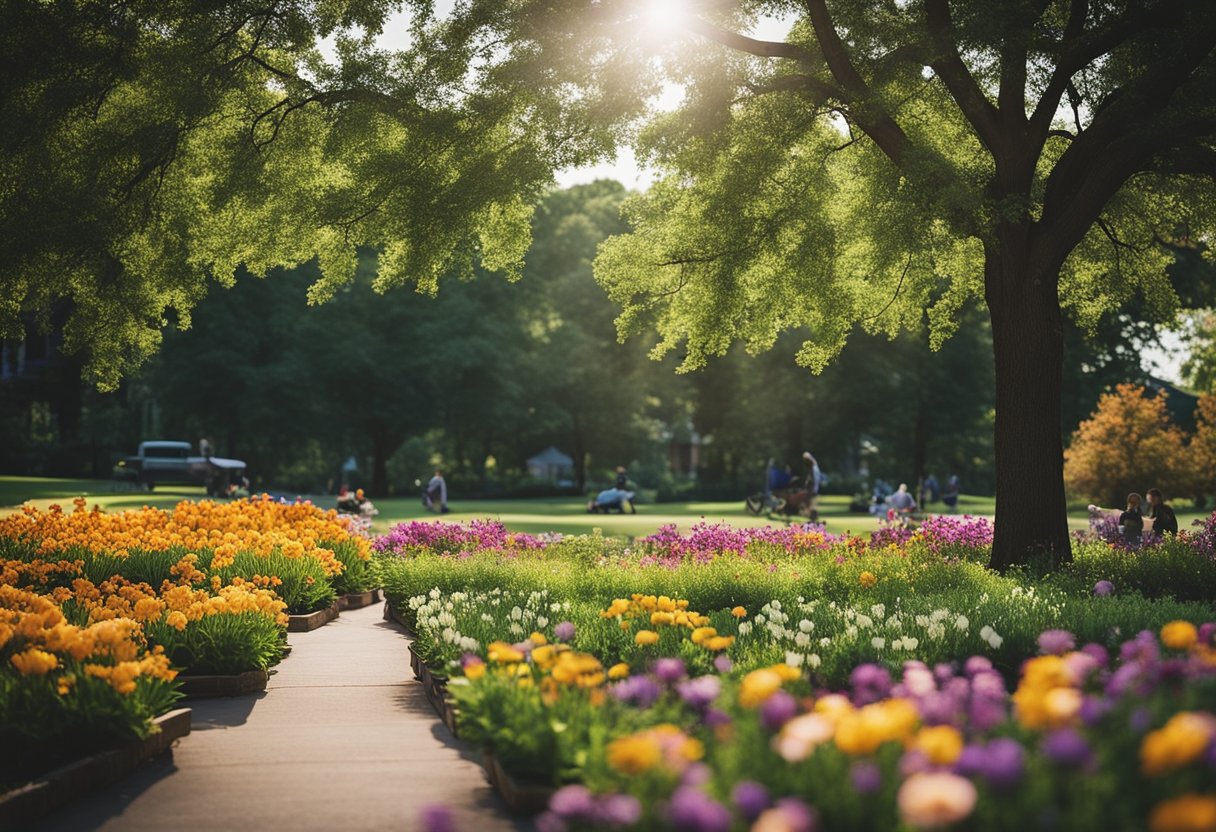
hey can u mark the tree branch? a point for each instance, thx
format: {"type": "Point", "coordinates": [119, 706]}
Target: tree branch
{"type": "Point", "coordinates": [870, 115]}
{"type": "Point", "coordinates": [822, 91]}
{"type": "Point", "coordinates": [752, 46]}
{"type": "Point", "coordinates": [946, 62]}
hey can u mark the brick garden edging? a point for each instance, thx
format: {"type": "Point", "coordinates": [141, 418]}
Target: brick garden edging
{"type": "Point", "coordinates": [26, 803]}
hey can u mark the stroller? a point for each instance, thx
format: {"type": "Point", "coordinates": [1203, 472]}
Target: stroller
{"type": "Point", "coordinates": [783, 494]}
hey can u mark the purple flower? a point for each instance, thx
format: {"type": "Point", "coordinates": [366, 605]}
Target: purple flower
{"type": "Point", "coordinates": [970, 762]}
{"type": "Point", "coordinates": [1003, 764]}
{"type": "Point", "coordinates": [1140, 720]}
{"type": "Point", "coordinates": [797, 815]}
{"type": "Point", "coordinates": [1056, 642]}
{"type": "Point", "coordinates": [1093, 708]}
{"type": "Point", "coordinates": [698, 693]}
{"type": "Point", "coordinates": [870, 683]}
{"type": "Point", "coordinates": [697, 774]}
{"type": "Point", "coordinates": [1206, 632]}
{"type": "Point", "coordinates": [1104, 588]}
{"type": "Point", "coordinates": [1066, 747]}
{"type": "Point", "coordinates": [722, 663]}
{"type": "Point", "coordinates": [866, 777]}
{"type": "Point", "coordinates": [618, 810]}
{"type": "Point", "coordinates": [572, 802]}
{"type": "Point", "coordinates": [692, 810]}
{"type": "Point", "coordinates": [985, 713]}
{"type": "Point", "coordinates": [750, 797]}
{"type": "Point", "coordinates": [1098, 653]}
{"type": "Point", "coordinates": [669, 671]}
{"type": "Point", "coordinates": [438, 819]}
{"type": "Point", "coordinates": [549, 822]}
{"type": "Point", "coordinates": [715, 718]}
{"type": "Point", "coordinates": [913, 762]}
{"type": "Point", "coordinates": [777, 710]}
{"type": "Point", "coordinates": [564, 631]}
{"type": "Point", "coordinates": [640, 691]}
{"type": "Point", "coordinates": [977, 664]}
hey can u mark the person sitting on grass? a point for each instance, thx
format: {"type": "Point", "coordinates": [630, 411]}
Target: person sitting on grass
{"type": "Point", "coordinates": [1162, 514]}
{"type": "Point", "coordinates": [902, 502]}
{"type": "Point", "coordinates": [1131, 521]}
{"type": "Point", "coordinates": [612, 499]}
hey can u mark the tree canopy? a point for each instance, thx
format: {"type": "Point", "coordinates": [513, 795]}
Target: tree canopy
{"type": "Point", "coordinates": [886, 160]}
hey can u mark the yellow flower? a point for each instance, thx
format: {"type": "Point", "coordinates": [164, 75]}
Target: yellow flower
{"type": "Point", "coordinates": [634, 755]}
{"type": "Point", "coordinates": [475, 670]}
{"type": "Point", "coordinates": [538, 639]}
{"type": "Point", "coordinates": [700, 634]}
{"type": "Point", "coordinates": [1179, 635]}
{"type": "Point", "coordinates": [758, 686]}
{"type": "Point", "coordinates": [618, 671]}
{"type": "Point", "coordinates": [864, 730]}
{"type": "Point", "coordinates": [503, 653]}
{"type": "Point", "coordinates": [942, 744]}
{"type": "Point", "coordinates": [718, 643]}
{"type": "Point", "coordinates": [177, 620]}
{"type": "Point", "coordinates": [34, 662]}
{"type": "Point", "coordinates": [1062, 705]}
{"type": "Point", "coordinates": [867, 579]}
{"type": "Point", "coordinates": [658, 619]}
{"type": "Point", "coordinates": [646, 637]}
{"type": "Point", "coordinates": [1189, 813]}
{"type": "Point", "coordinates": [1179, 742]}
{"type": "Point", "coordinates": [738, 612]}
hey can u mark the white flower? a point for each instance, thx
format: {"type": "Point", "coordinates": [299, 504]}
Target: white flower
{"type": "Point", "coordinates": [878, 642]}
{"type": "Point", "coordinates": [794, 659]}
{"type": "Point", "coordinates": [517, 614]}
{"type": "Point", "coordinates": [760, 619]}
{"type": "Point", "coordinates": [434, 593]}
{"type": "Point", "coordinates": [940, 614]}
{"type": "Point", "coordinates": [851, 631]}
{"type": "Point", "coordinates": [806, 625]}
{"type": "Point", "coordinates": [776, 604]}
{"type": "Point", "coordinates": [813, 660]}
{"type": "Point", "coordinates": [745, 627]}
{"type": "Point", "coordinates": [486, 617]}
{"type": "Point", "coordinates": [864, 621]}
{"type": "Point", "coordinates": [433, 623]}
{"type": "Point", "coordinates": [542, 622]}
{"type": "Point", "coordinates": [879, 610]}
{"type": "Point", "coordinates": [910, 643]}
{"type": "Point", "coordinates": [516, 629]}
{"type": "Point", "coordinates": [802, 640]}
{"type": "Point", "coordinates": [825, 642]}
{"type": "Point", "coordinates": [469, 644]}
{"type": "Point", "coordinates": [961, 623]}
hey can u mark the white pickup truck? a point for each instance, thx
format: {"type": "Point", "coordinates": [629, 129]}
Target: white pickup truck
{"type": "Point", "coordinates": [171, 462]}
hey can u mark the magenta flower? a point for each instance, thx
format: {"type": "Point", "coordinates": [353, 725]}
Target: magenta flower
{"type": "Point", "coordinates": [1066, 747]}
{"type": "Point", "coordinates": [777, 710]}
{"type": "Point", "coordinates": [751, 798]}
{"type": "Point", "coordinates": [564, 631]}
{"type": "Point", "coordinates": [1056, 642]}
{"type": "Point", "coordinates": [669, 671]}
{"type": "Point", "coordinates": [1104, 588]}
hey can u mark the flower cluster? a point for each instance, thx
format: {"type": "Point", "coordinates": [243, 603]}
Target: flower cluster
{"type": "Point", "coordinates": [443, 537]}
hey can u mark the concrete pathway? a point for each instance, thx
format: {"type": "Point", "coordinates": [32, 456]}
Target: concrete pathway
{"type": "Point", "coordinates": [343, 739]}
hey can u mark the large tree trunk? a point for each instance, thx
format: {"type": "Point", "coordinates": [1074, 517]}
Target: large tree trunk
{"type": "Point", "coordinates": [1028, 347]}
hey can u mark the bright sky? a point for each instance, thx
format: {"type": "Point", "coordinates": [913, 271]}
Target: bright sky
{"type": "Point", "coordinates": [1163, 362]}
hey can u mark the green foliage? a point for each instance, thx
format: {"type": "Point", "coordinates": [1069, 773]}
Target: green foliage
{"type": "Point", "coordinates": [221, 644]}
{"type": "Point", "coordinates": [358, 574]}
{"type": "Point", "coordinates": [305, 587]}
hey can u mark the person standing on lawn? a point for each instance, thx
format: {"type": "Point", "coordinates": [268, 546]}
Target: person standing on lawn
{"type": "Point", "coordinates": [437, 494]}
{"type": "Point", "coordinates": [814, 479]}
{"type": "Point", "coordinates": [1162, 514]}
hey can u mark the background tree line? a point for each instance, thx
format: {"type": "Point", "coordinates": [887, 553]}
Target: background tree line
{"type": "Point", "coordinates": [486, 373]}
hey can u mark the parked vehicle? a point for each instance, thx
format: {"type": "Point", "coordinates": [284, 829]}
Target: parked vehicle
{"type": "Point", "coordinates": [159, 462]}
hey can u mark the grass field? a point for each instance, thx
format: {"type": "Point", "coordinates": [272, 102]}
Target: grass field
{"type": "Point", "coordinates": [566, 515]}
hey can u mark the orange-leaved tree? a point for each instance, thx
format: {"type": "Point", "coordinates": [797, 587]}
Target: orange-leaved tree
{"type": "Point", "coordinates": [1203, 448]}
{"type": "Point", "coordinates": [1130, 443]}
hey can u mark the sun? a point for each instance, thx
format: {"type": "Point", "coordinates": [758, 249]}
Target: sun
{"type": "Point", "coordinates": [664, 17]}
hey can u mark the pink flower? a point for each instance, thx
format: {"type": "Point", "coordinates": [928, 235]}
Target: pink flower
{"type": "Point", "coordinates": [929, 799]}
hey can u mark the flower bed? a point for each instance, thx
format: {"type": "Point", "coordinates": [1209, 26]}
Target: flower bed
{"type": "Point", "coordinates": [655, 681]}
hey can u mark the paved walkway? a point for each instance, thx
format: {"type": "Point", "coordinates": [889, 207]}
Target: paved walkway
{"type": "Point", "coordinates": [343, 739]}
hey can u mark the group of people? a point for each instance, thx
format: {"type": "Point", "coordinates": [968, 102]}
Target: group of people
{"type": "Point", "coordinates": [1132, 520]}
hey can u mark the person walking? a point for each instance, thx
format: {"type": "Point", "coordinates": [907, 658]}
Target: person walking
{"type": "Point", "coordinates": [1162, 514]}
{"type": "Point", "coordinates": [814, 479]}
{"type": "Point", "coordinates": [437, 493]}
{"type": "Point", "coordinates": [1131, 521]}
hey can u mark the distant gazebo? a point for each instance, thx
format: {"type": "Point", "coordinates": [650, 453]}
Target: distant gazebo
{"type": "Point", "coordinates": [551, 465]}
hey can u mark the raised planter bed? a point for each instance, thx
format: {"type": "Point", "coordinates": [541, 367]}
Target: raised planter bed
{"type": "Point", "coordinates": [436, 688]}
{"type": "Point", "coordinates": [391, 614]}
{"type": "Point", "coordinates": [22, 805]}
{"type": "Point", "coordinates": [355, 600]}
{"type": "Point", "coordinates": [313, 620]}
{"type": "Point", "coordinates": [205, 687]}
{"type": "Point", "coordinates": [521, 797]}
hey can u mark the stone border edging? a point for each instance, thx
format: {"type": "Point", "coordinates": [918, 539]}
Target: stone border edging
{"type": "Point", "coordinates": [391, 614]}
{"type": "Point", "coordinates": [521, 798]}
{"type": "Point", "coordinates": [53, 789]}
{"type": "Point", "coordinates": [234, 684]}
{"type": "Point", "coordinates": [313, 620]}
{"type": "Point", "coordinates": [436, 689]}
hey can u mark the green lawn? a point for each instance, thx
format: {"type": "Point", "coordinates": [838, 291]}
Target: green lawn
{"type": "Point", "coordinates": [566, 515]}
